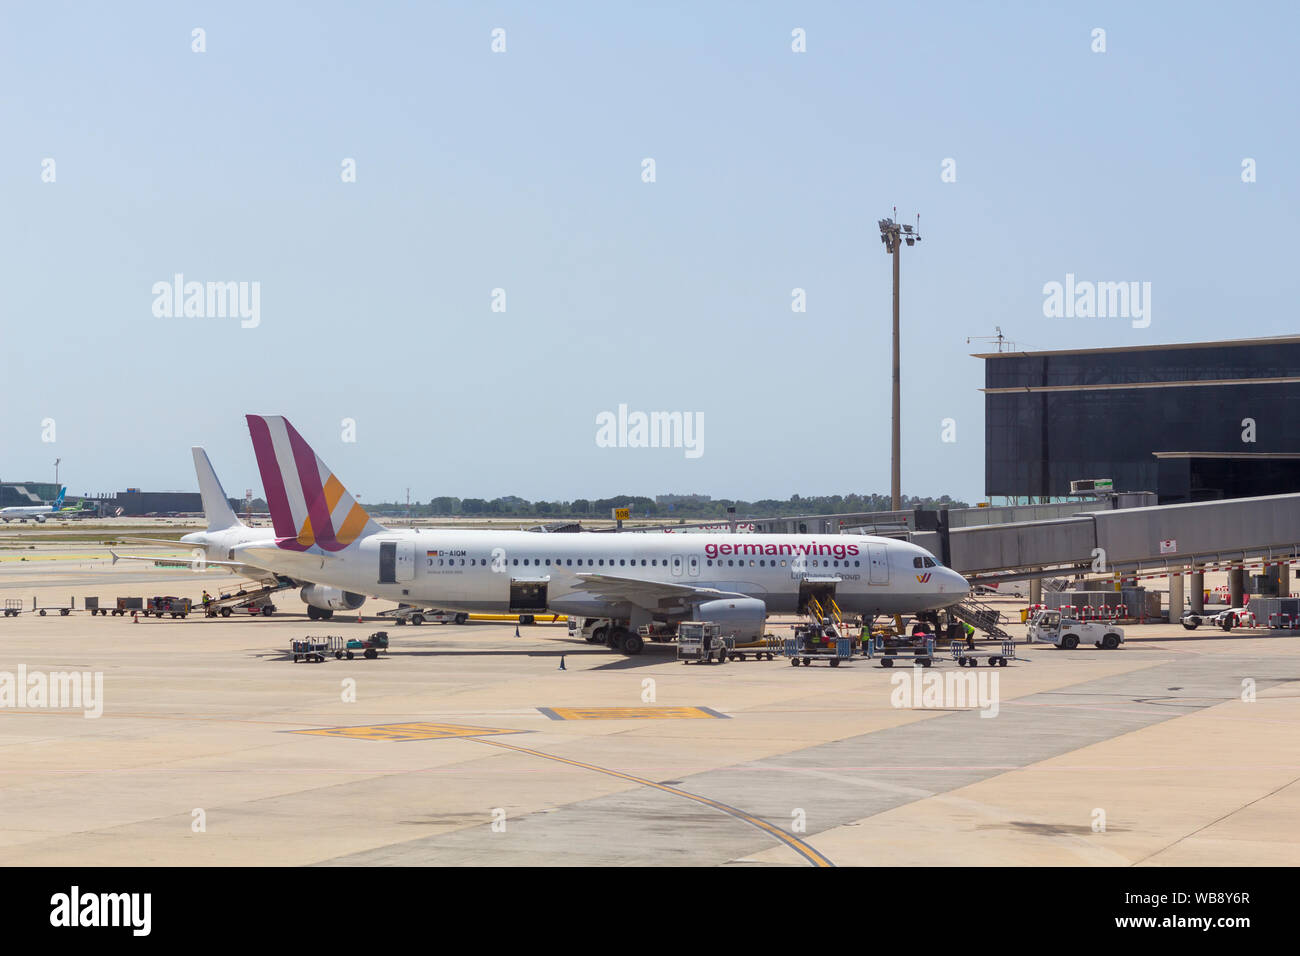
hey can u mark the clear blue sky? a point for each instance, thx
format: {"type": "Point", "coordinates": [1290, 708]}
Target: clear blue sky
{"type": "Point", "coordinates": [522, 171]}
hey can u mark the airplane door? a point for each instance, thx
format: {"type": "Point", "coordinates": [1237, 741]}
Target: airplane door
{"type": "Point", "coordinates": [396, 562]}
{"type": "Point", "coordinates": [676, 565]}
{"type": "Point", "coordinates": [878, 561]}
{"type": "Point", "coordinates": [405, 569]}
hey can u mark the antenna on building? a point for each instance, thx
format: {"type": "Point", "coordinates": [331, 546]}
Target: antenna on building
{"type": "Point", "coordinates": [1004, 343]}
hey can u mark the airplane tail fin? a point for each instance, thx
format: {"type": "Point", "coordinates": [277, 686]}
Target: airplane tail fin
{"type": "Point", "coordinates": [309, 505]}
{"type": "Point", "coordinates": [58, 502]}
{"type": "Point", "coordinates": [216, 506]}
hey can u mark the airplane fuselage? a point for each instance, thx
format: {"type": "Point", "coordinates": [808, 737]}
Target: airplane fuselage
{"type": "Point", "coordinates": [487, 571]}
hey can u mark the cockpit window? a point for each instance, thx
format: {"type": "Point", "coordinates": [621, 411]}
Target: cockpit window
{"type": "Point", "coordinates": [916, 563]}
{"type": "Point", "coordinates": [931, 563]}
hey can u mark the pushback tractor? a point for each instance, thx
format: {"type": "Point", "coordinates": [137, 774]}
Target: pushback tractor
{"type": "Point", "coordinates": [1050, 627]}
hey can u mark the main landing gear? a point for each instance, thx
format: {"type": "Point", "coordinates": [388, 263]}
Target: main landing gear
{"type": "Point", "coordinates": [619, 638]}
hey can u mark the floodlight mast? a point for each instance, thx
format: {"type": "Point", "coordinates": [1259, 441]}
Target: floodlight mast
{"type": "Point", "coordinates": [893, 236]}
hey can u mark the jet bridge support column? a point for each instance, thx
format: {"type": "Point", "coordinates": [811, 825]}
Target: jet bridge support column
{"type": "Point", "coordinates": [1196, 581]}
{"type": "Point", "coordinates": [1035, 590]}
{"type": "Point", "coordinates": [1284, 580]}
{"type": "Point", "coordinates": [1237, 586]}
{"type": "Point", "coordinates": [1175, 595]}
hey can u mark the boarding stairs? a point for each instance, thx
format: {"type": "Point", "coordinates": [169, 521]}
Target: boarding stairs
{"type": "Point", "coordinates": [980, 616]}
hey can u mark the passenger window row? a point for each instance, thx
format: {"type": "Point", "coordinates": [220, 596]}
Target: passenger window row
{"type": "Point", "coordinates": [653, 562]}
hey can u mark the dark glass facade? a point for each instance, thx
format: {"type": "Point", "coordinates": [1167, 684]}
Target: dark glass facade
{"type": "Point", "coordinates": [1037, 442]}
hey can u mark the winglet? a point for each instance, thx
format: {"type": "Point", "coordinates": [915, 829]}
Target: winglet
{"type": "Point", "coordinates": [114, 554]}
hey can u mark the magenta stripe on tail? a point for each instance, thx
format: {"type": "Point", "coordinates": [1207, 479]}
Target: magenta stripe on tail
{"type": "Point", "coordinates": [276, 498]}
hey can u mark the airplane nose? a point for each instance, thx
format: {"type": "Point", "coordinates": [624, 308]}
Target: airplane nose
{"type": "Point", "coordinates": [960, 585]}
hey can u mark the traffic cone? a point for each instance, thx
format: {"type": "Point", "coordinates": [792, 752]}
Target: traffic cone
{"type": "Point", "coordinates": [562, 667]}
{"type": "Point", "coordinates": [135, 617]}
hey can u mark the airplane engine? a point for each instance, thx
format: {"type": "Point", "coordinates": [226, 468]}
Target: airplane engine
{"type": "Point", "coordinates": [741, 618]}
{"type": "Point", "coordinates": [331, 599]}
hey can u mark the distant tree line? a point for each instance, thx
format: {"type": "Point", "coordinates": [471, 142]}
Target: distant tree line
{"type": "Point", "coordinates": [666, 507]}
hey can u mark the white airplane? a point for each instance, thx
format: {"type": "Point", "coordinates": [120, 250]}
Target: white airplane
{"type": "Point", "coordinates": [321, 534]}
{"type": "Point", "coordinates": [216, 546]}
{"type": "Point", "coordinates": [39, 512]}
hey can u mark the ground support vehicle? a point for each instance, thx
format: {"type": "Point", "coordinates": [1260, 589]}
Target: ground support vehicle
{"type": "Point", "coordinates": [254, 602]}
{"type": "Point", "coordinates": [128, 605]}
{"type": "Point", "coordinates": [765, 648]}
{"type": "Point", "coordinates": [63, 609]}
{"type": "Point", "coordinates": [1050, 627]}
{"type": "Point", "coordinates": [702, 642]}
{"type": "Point", "coordinates": [909, 651]}
{"type": "Point", "coordinates": [1225, 620]}
{"type": "Point", "coordinates": [368, 648]}
{"type": "Point", "coordinates": [161, 606]}
{"type": "Point", "coordinates": [968, 658]}
{"type": "Point", "coordinates": [312, 650]}
{"type": "Point", "coordinates": [817, 642]}
{"type": "Point", "coordinates": [407, 614]}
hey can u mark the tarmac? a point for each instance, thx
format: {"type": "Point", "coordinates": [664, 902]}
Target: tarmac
{"type": "Point", "coordinates": [467, 745]}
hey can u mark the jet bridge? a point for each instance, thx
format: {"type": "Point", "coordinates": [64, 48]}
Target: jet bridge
{"type": "Point", "coordinates": [1160, 537]}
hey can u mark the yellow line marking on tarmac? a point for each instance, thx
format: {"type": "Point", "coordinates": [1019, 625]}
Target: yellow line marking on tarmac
{"type": "Point", "coordinates": [799, 846]}
{"type": "Point", "coordinates": [422, 730]}
{"type": "Point", "coordinates": [631, 713]}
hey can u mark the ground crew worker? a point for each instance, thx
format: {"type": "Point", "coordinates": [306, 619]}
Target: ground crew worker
{"type": "Point", "coordinates": [970, 635]}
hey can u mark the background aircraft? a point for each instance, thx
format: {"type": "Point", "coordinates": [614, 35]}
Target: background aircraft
{"type": "Point", "coordinates": [39, 512]}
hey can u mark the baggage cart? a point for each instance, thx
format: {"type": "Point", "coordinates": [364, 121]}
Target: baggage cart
{"type": "Point", "coordinates": [311, 650]}
{"type": "Point", "coordinates": [905, 652]}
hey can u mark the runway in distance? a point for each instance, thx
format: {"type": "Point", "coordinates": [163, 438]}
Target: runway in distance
{"type": "Point", "coordinates": [321, 534]}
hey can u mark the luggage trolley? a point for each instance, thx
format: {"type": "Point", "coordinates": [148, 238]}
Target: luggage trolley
{"type": "Point", "coordinates": [876, 648]}
{"type": "Point", "coordinates": [969, 658]}
{"type": "Point", "coordinates": [309, 649]}
{"type": "Point", "coordinates": [127, 605]}
{"type": "Point", "coordinates": [814, 642]}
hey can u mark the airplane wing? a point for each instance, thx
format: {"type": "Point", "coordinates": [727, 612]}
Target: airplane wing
{"type": "Point", "coordinates": [247, 570]}
{"type": "Point", "coordinates": [176, 543]}
{"type": "Point", "coordinates": [651, 595]}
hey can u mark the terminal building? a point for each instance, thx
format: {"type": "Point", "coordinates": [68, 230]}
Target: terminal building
{"type": "Point", "coordinates": [1192, 422]}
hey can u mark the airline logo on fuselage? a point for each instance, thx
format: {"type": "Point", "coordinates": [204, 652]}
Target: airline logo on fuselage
{"type": "Point", "coordinates": [923, 578]}
{"type": "Point", "coordinates": [831, 550]}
